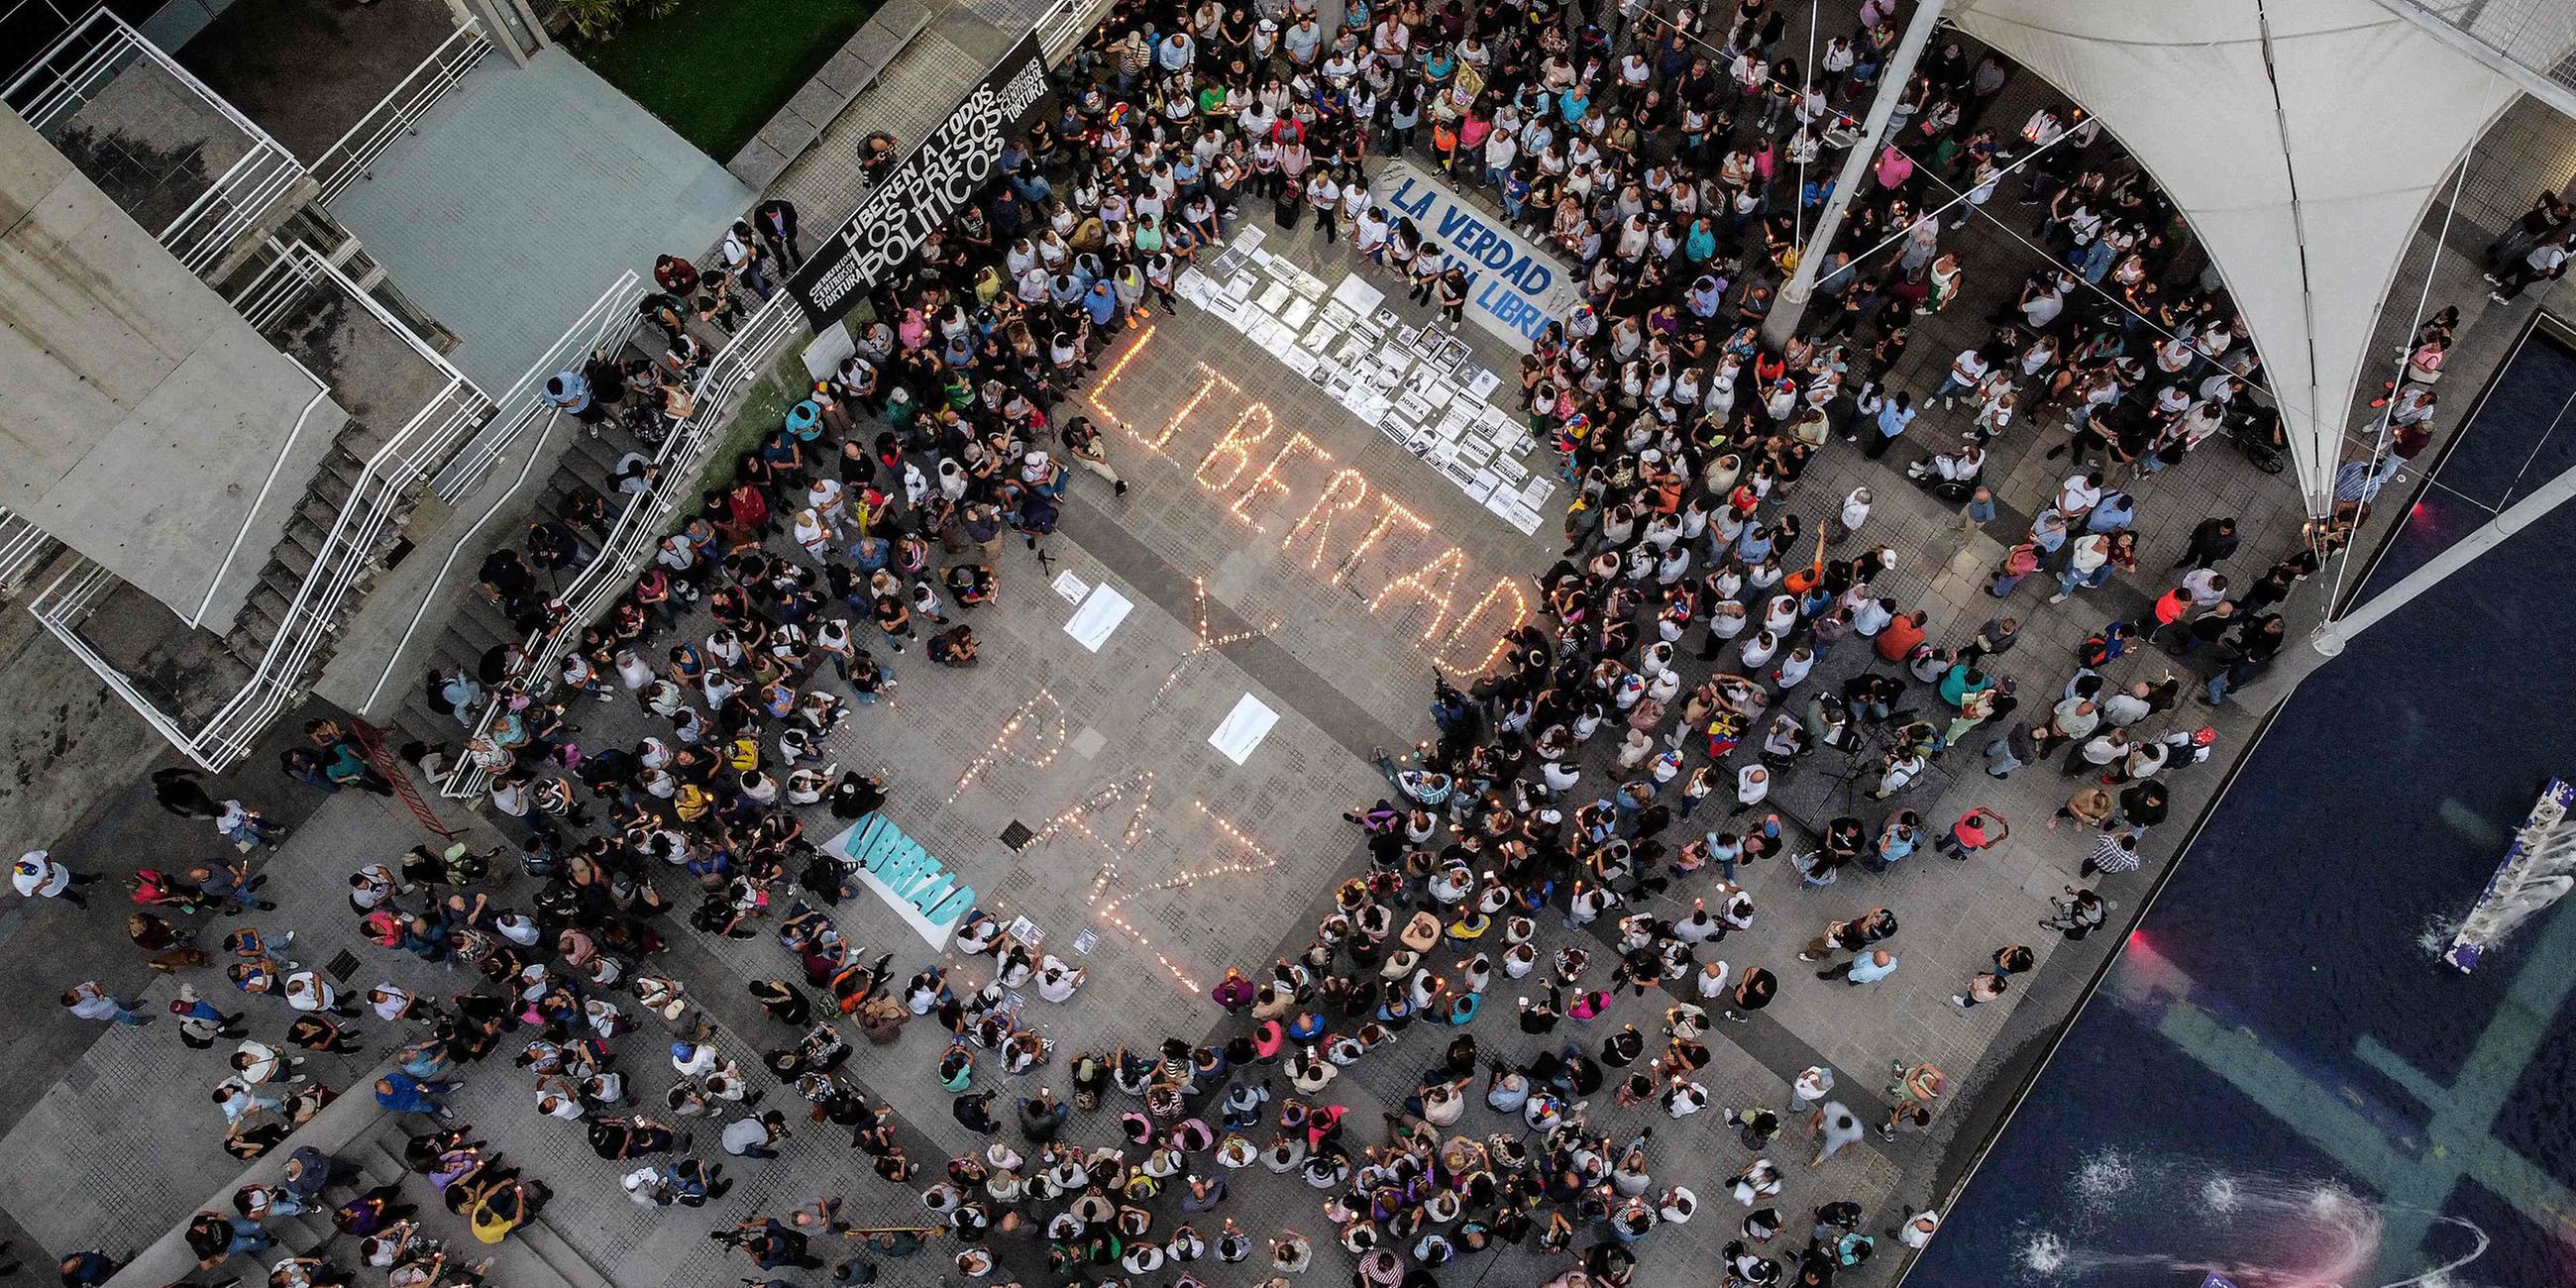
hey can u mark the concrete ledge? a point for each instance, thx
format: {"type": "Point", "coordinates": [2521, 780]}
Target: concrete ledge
{"type": "Point", "coordinates": [770, 151]}
{"type": "Point", "coordinates": [849, 73]}
{"type": "Point", "coordinates": [815, 104]}
{"type": "Point", "coordinates": [339, 1125]}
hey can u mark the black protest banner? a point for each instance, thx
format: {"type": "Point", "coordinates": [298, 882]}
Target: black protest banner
{"type": "Point", "coordinates": [948, 170]}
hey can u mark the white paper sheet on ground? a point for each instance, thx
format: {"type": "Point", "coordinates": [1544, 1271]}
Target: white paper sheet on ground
{"type": "Point", "coordinates": [1303, 361]}
{"type": "Point", "coordinates": [1275, 297]}
{"type": "Point", "coordinates": [1481, 382]}
{"type": "Point", "coordinates": [1243, 729]}
{"type": "Point", "coordinates": [1248, 238]}
{"type": "Point", "coordinates": [1458, 421]}
{"type": "Point", "coordinates": [1356, 295]}
{"type": "Point", "coordinates": [1098, 615]}
{"type": "Point", "coordinates": [1071, 586]}
{"type": "Point", "coordinates": [1297, 314]}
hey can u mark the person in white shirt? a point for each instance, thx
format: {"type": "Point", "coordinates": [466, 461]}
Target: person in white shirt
{"type": "Point", "coordinates": [38, 875]}
{"type": "Point", "coordinates": [1752, 784]}
{"type": "Point", "coordinates": [1918, 1229]}
{"type": "Point", "coordinates": [2077, 496]}
{"type": "Point", "coordinates": [2546, 262]}
{"type": "Point", "coordinates": [1966, 371]}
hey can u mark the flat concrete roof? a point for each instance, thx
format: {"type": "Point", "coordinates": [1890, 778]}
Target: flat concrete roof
{"type": "Point", "coordinates": [142, 417]}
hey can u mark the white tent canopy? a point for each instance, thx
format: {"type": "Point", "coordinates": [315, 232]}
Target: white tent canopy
{"type": "Point", "coordinates": [2302, 139]}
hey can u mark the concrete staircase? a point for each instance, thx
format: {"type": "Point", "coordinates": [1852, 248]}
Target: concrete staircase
{"type": "Point", "coordinates": [478, 627]}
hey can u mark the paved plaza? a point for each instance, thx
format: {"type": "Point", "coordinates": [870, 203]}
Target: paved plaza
{"type": "Point", "coordinates": [1274, 548]}
{"type": "Point", "coordinates": [1157, 862]}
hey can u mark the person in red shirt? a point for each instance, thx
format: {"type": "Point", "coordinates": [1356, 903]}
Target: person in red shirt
{"type": "Point", "coordinates": [1901, 636]}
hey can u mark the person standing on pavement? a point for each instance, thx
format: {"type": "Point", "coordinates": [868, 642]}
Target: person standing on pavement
{"type": "Point", "coordinates": [1894, 416]}
{"type": "Point", "coordinates": [2546, 262]}
{"type": "Point", "coordinates": [2211, 543]}
{"type": "Point", "coordinates": [1878, 965]}
{"type": "Point", "coordinates": [90, 1000]}
{"type": "Point", "coordinates": [38, 875]}
{"type": "Point", "coordinates": [776, 220]}
{"type": "Point", "coordinates": [246, 827]}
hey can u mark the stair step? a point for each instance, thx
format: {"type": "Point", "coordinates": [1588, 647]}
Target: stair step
{"type": "Point", "coordinates": [268, 604]}
{"type": "Point", "coordinates": [246, 645]}
{"type": "Point", "coordinates": [292, 556]}
{"type": "Point", "coordinates": [330, 490]}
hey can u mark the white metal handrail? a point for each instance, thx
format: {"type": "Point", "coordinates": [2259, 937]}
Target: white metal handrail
{"type": "Point", "coordinates": [350, 156]}
{"type": "Point", "coordinates": [250, 514]}
{"type": "Point", "coordinates": [235, 204]}
{"type": "Point", "coordinates": [376, 502]}
{"type": "Point", "coordinates": [1062, 27]}
{"type": "Point", "coordinates": [22, 546]}
{"type": "Point", "coordinates": [639, 529]}
{"type": "Point", "coordinates": [60, 611]}
{"type": "Point", "coordinates": [102, 47]}
{"type": "Point", "coordinates": [683, 455]}
{"type": "Point", "coordinates": [109, 38]}
{"type": "Point", "coordinates": [274, 291]}
{"type": "Point", "coordinates": [611, 315]}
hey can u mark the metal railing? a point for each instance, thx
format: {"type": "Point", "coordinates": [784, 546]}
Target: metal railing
{"type": "Point", "coordinates": [376, 504]}
{"type": "Point", "coordinates": [67, 599]}
{"type": "Point", "coordinates": [264, 302]}
{"type": "Point", "coordinates": [609, 318]}
{"type": "Point", "coordinates": [250, 513]}
{"type": "Point", "coordinates": [1062, 27]}
{"type": "Point", "coordinates": [639, 529]}
{"type": "Point", "coordinates": [682, 457]}
{"type": "Point", "coordinates": [71, 71]}
{"type": "Point", "coordinates": [349, 158]}
{"type": "Point", "coordinates": [237, 203]}
{"type": "Point", "coordinates": [101, 47]}
{"type": "Point", "coordinates": [23, 545]}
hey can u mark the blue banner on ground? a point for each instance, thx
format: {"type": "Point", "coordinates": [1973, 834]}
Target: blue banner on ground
{"type": "Point", "coordinates": [918, 887]}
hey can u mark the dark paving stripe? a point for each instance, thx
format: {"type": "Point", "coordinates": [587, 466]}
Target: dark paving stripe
{"type": "Point", "coordinates": [1264, 659]}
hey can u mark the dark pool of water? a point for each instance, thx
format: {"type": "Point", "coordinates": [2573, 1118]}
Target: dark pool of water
{"type": "Point", "coordinates": [2214, 1108]}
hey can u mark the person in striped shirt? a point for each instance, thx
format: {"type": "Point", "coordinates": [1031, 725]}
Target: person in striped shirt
{"type": "Point", "coordinates": [2115, 853]}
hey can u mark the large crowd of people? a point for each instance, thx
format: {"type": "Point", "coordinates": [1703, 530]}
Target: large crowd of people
{"type": "Point", "coordinates": [1549, 839]}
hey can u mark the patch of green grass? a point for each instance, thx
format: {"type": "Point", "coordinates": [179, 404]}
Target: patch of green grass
{"type": "Point", "coordinates": [715, 71]}
{"type": "Point", "coordinates": [764, 408]}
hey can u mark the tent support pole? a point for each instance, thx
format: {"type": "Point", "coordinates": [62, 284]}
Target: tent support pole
{"type": "Point", "coordinates": [1893, 79]}
{"type": "Point", "coordinates": [2328, 641]}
